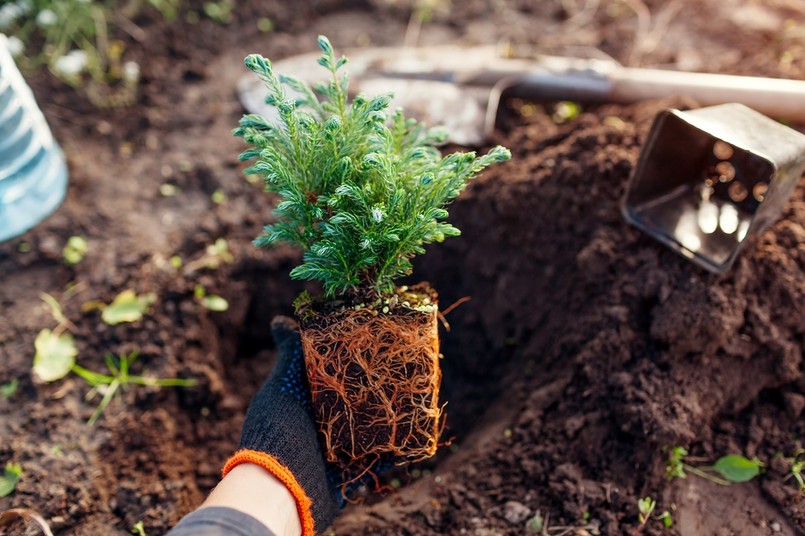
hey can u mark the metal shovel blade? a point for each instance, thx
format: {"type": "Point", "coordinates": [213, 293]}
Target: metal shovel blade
{"type": "Point", "coordinates": [419, 86]}
{"type": "Point", "coordinates": [461, 87]}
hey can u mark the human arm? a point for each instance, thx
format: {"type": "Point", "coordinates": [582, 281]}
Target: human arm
{"type": "Point", "coordinates": [278, 475]}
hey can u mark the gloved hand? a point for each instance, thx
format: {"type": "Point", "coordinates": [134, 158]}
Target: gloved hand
{"type": "Point", "coordinates": [279, 434]}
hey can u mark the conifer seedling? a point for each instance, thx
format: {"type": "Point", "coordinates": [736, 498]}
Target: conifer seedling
{"type": "Point", "coordinates": [361, 191]}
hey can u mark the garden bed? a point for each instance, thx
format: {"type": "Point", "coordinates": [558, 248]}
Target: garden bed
{"type": "Point", "coordinates": [585, 350]}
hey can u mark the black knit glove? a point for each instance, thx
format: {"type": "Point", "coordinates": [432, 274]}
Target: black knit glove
{"type": "Point", "coordinates": [279, 434]}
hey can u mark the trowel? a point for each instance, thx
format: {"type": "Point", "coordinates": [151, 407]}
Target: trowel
{"type": "Point", "coordinates": [461, 87]}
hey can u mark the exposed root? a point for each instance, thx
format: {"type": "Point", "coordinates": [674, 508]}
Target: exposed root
{"type": "Point", "coordinates": [374, 379]}
{"type": "Point", "coordinates": [458, 302]}
{"type": "Point", "coordinates": [443, 314]}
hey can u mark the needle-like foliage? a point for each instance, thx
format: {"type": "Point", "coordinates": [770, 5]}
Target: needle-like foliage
{"type": "Point", "coordinates": [360, 191]}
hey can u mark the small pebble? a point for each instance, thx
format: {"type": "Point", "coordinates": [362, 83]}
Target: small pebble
{"type": "Point", "coordinates": [515, 512]}
{"type": "Point", "coordinates": [775, 526]}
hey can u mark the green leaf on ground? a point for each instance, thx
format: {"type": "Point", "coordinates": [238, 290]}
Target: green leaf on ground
{"type": "Point", "coordinates": [736, 468]}
{"type": "Point", "coordinates": [7, 390]}
{"type": "Point", "coordinates": [215, 303]}
{"type": "Point", "coordinates": [75, 250]}
{"type": "Point", "coordinates": [566, 111]}
{"type": "Point", "coordinates": [667, 520]}
{"type": "Point", "coordinates": [127, 307]}
{"type": "Point", "coordinates": [139, 529]}
{"type": "Point", "coordinates": [9, 478]}
{"type": "Point", "coordinates": [219, 197]}
{"type": "Point", "coordinates": [55, 308]}
{"type": "Point", "coordinates": [217, 253]}
{"type": "Point", "coordinates": [645, 506]}
{"type": "Point", "coordinates": [55, 355]}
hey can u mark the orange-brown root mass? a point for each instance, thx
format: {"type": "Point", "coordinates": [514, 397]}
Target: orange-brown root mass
{"type": "Point", "coordinates": [374, 379]}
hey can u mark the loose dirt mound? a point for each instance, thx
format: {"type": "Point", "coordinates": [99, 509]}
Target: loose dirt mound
{"type": "Point", "coordinates": [615, 347]}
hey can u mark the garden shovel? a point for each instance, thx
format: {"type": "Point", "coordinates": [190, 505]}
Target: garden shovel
{"type": "Point", "coordinates": [461, 87]}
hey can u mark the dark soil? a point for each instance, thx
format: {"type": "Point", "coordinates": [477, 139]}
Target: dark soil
{"type": "Point", "coordinates": [586, 349]}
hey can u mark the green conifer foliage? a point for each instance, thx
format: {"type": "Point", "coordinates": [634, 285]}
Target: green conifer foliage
{"type": "Point", "coordinates": [361, 190]}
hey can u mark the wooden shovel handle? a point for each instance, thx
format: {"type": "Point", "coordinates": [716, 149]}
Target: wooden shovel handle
{"type": "Point", "coordinates": [775, 97]}
{"type": "Point", "coordinates": [557, 78]}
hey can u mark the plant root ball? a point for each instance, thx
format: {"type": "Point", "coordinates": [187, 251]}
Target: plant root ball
{"type": "Point", "coordinates": [374, 379]}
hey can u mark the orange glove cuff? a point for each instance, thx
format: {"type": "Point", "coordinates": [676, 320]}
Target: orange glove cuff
{"type": "Point", "coordinates": [281, 473]}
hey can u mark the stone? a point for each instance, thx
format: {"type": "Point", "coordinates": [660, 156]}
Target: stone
{"type": "Point", "coordinates": [515, 512]}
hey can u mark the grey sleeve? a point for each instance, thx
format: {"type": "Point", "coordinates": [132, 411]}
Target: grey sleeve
{"type": "Point", "coordinates": [219, 521]}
